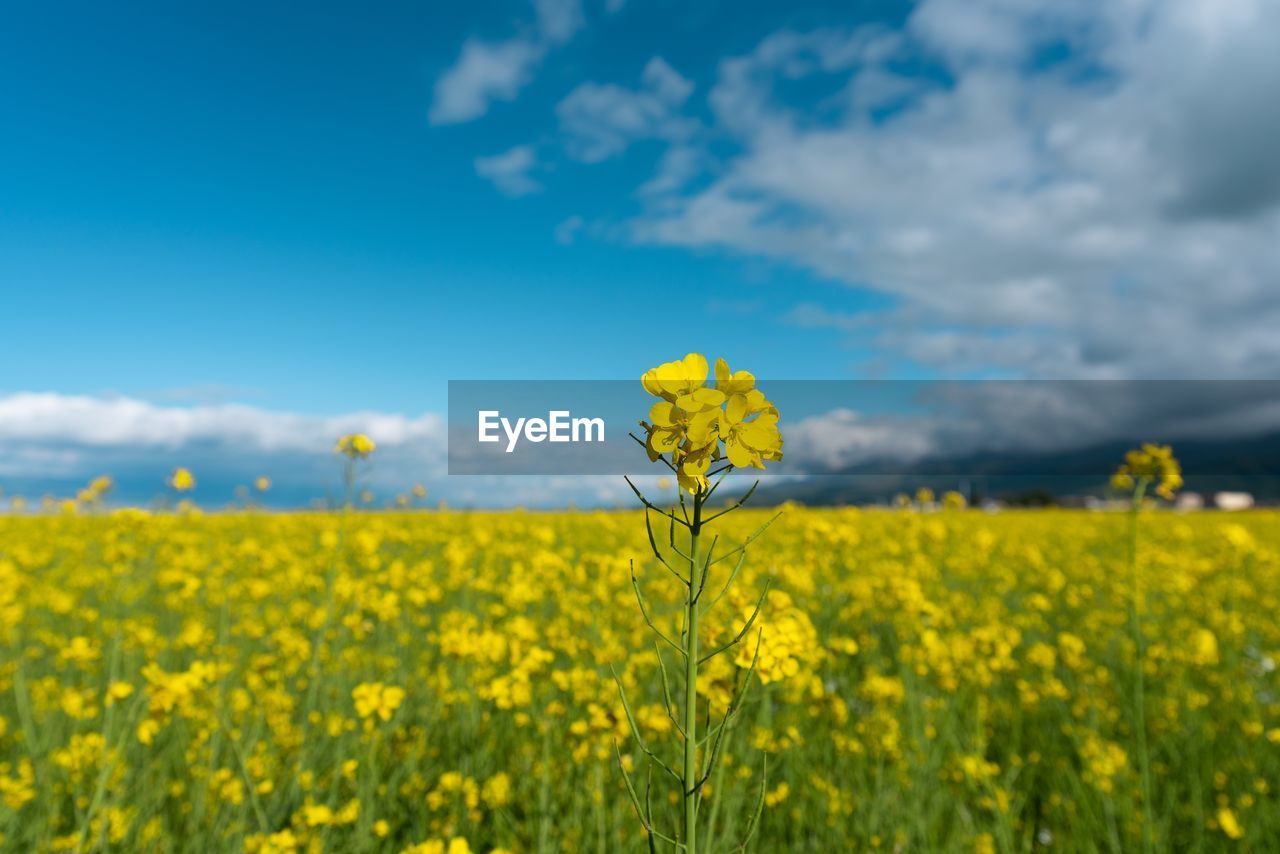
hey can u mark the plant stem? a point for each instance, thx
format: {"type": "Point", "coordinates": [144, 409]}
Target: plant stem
{"type": "Point", "coordinates": [691, 682]}
{"type": "Point", "coordinates": [1139, 679]}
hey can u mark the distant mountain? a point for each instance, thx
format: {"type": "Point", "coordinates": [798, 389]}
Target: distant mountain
{"type": "Point", "coordinates": [1249, 465]}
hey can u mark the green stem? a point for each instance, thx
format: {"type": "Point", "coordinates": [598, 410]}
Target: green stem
{"type": "Point", "coordinates": [1139, 679]}
{"type": "Point", "coordinates": [691, 682]}
{"type": "Point", "coordinates": [544, 795]}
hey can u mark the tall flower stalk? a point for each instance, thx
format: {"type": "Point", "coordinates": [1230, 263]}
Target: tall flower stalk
{"type": "Point", "coordinates": [1143, 468]}
{"type": "Point", "coordinates": [701, 434]}
{"type": "Point", "coordinates": [353, 446]}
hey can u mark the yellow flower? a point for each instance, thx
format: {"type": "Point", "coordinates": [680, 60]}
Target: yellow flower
{"type": "Point", "coordinates": [355, 446]}
{"type": "Point", "coordinates": [262, 484]}
{"type": "Point", "coordinates": [182, 480]}
{"type": "Point", "coordinates": [497, 790]}
{"type": "Point", "coordinates": [1229, 823]}
{"type": "Point", "coordinates": [457, 845]}
{"type": "Point", "coordinates": [375, 698]}
{"type": "Point", "coordinates": [672, 380]}
{"type": "Point", "coordinates": [1150, 464]}
{"type": "Point", "coordinates": [118, 691]}
{"type": "Point", "coordinates": [691, 420]}
{"type": "Point", "coordinates": [147, 730]}
{"type": "Point", "coordinates": [317, 815]}
{"type": "Point", "coordinates": [779, 794]}
{"type": "Point", "coordinates": [1204, 647]}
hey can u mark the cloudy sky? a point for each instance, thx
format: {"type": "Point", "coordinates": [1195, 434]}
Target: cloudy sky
{"type": "Point", "coordinates": [227, 232]}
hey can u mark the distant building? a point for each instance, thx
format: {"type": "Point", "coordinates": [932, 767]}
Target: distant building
{"type": "Point", "coordinates": [1189, 501]}
{"type": "Point", "coordinates": [1233, 500]}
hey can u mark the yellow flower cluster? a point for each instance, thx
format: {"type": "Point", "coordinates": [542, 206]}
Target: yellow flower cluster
{"type": "Point", "coordinates": [1150, 464]}
{"type": "Point", "coordinates": [788, 642]}
{"type": "Point", "coordinates": [182, 480]}
{"type": "Point", "coordinates": [375, 698]}
{"type": "Point", "coordinates": [355, 446]}
{"type": "Point", "coordinates": [322, 681]}
{"type": "Point", "coordinates": [696, 424]}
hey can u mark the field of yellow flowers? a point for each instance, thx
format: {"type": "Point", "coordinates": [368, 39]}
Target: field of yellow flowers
{"type": "Point", "coordinates": [439, 682]}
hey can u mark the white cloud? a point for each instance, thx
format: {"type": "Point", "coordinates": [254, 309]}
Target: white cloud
{"type": "Point", "coordinates": [600, 120]}
{"type": "Point", "coordinates": [509, 171]}
{"type": "Point", "coordinates": [567, 230]}
{"type": "Point", "coordinates": [844, 438]}
{"type": "Point", "coordinates": [559, 20]}
{"type": "Point", "coordinates": [1110, 213]}
{"type": "Point", "coordinates": [54, 443]}
{"type": "Point", "coordinates": [486, 72]}
{"type": "Point", "coordinates": [81, 420]}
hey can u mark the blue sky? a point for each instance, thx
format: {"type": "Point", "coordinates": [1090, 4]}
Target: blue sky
{"type": "Point", "coordinates": [319, 215]}
{"type": "Point", "coordinates": [255, 204]}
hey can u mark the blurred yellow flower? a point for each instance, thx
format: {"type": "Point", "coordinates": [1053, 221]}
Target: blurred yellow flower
{"type": "Point", "coordinates": [1229, 823]}
{"type": "Point", "coordinates": [375, 698]}
{"type": "Point", "coordinates": [262, 483]}
{"type": "Point", "coordinates": [355, 446]}
{"type": "Point", "coordinates": [182, 480]}
{"type": "Point", "coordinates": [1150, 464]}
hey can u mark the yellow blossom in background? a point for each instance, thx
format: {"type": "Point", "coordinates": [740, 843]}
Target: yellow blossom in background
{"type": "Point", "coordinates": [262, 483]}
{"type": "Point", "coordinates": [178, 674]}
{"type": "Point", "coordinates": [1154, 464]}
{"type": "Point", "coordinates": [1229, 824]}
{"type": "Point", "coordinates": [355, 446]}
{"type": "Point", "coordinates": [375, 698]}
{"type": "Point", "coordinates": [182, 480]}
{"type": "Point", "coordinates": [496, 791]}
{"type": "Point", "coordinates": [117, 691]}
{"type": "Point", "coordinates": [457, 845]}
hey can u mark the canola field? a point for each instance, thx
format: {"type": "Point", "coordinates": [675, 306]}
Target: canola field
{"type": "Point", "coordinates": [440, 682]}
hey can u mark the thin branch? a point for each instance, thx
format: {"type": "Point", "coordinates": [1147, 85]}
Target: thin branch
{"type": "Point", "coordinates": [737, 504]}
{"type": "Point", "coordinates": [728, 581]}
{"type": "Point", "coordinates": [653, 544]}
{"type": "Point", "coordinates": [749, 540]}
{"type": "Point", "coordinates": [647, 820]}
{"type": "Point", "coordinates": [723, 472]}
{"type": "Point", "coordinates": [706, 569]}
{"type": "Point", "coordinates": [644, 609]}
{"type": "Point", "coordinates": [755, 818]}
{"type": "Point", "coordinates": [644, 445]}
{"type": "Point", "coordinates": [635, 731]}
{"type": "Point", "coordinates": [666, 691]}
{"type": "Point", "coordinates": [635, 802]}
{"type": "Point", "coordinates": [649, 504]}
{"type": "Point", "coordinates": [745, 628]}
{"type": "Point", "coordinates": [671, 542]}
{"type": "Point", "coordinates": [740, 696]}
